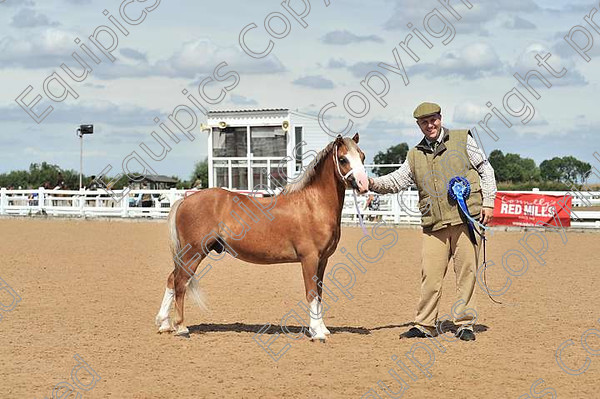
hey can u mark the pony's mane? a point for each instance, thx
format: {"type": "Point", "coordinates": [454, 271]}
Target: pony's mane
{"type": "Point", "coordinates": [310, 172]}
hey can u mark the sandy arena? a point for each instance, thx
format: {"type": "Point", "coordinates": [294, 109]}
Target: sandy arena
{"type": "Point", "coordinates": [93, 288]}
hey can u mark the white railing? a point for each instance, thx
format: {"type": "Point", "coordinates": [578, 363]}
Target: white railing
{"type": "Point", "coordinates": [393, 208]}
{"type": "Point", "coordinates": [87, 203]}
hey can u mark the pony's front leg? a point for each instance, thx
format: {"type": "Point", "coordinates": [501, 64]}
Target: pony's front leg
{"type": "Point", "coordinates": [320, 275]}
{"type": "Point", "coordinates": [322, 324]}
{"type": "Point", "coordinates": [309, 270]}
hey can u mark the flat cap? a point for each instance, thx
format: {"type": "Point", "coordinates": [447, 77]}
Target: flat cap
{"type": "Point", "coordinates": [426, 109]}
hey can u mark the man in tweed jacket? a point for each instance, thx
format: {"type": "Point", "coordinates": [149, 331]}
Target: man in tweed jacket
{"type": "Point", "coordinates": [441, 155]}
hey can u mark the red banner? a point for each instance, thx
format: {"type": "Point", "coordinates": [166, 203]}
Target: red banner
{"type": "Point", "coordinates": [516, 209]}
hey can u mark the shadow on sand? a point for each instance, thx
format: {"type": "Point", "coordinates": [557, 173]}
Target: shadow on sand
{"type": "Point", "coordinates": [447, 326]}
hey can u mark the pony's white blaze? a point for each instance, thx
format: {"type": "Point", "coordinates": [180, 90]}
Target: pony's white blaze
{"type": "Point", "coordinates": [358, 170]}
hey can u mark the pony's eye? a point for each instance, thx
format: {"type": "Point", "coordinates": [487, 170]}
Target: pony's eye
{"type": "Point", "coordinates": [342, 160]}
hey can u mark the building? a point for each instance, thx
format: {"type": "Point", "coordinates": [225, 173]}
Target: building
{"type": "Point", "coordinates": [153, 182]}
{"type": "Point", "coordinates": [246, 146]}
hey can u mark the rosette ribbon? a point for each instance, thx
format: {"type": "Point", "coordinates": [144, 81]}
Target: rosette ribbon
{"type": "Point", "coordinates": [459, 190]}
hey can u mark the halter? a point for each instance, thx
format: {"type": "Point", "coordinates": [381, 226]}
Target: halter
{"type": "Point", "coordinates": [337, 165]}
{"type": "Point", "coordinates": [345, 178]}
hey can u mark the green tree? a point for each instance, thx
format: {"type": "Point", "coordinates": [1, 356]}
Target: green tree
{"type": "Point", "coordinates": [200, 173]}
{"type": "Point", "coordinates": [565, 169]}
{"type": "Point", "coordinates": [38, 175]}
{"type": "Point", "coordinates": [549, 169]}
{"type": "Point", "coordinates": [395, 154]}
{"type": "Point", "coordinates": [498, 162]}
{"type": "Point", "coordinates": [513, 168]}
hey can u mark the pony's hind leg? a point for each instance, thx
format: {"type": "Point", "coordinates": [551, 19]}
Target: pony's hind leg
{"type": "Point", "coordinates": [183, 279]}
{"type": "Point", "coordinates": [163, 320]}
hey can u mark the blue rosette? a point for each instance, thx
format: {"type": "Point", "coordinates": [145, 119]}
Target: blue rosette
{"type": "Point", "coordinates": [459, 190]}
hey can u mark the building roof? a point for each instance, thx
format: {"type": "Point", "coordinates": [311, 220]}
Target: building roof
{"type": "Point", "coordinates": [222, 111]}
{"type": "Point", "coordinates": [158, 179]}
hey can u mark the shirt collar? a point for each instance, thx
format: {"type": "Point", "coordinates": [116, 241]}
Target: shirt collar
{"type": "Point", "coordinates": [439, 138]}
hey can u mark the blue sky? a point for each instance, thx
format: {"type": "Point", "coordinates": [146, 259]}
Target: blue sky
{"type": "Point", "coordinates": [180, 43]}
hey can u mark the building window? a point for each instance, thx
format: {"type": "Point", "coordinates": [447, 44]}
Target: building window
{"type": "Point", "coordinates": [278, 177]}
{"type": "Point", "coordinates": [230, 142]}
{"type": "Point", "coordinates": [299, 148]}
{"type": "Point", "coordinates": [268, 141]}
{"type": "Point", "coordinates": [221, 174]}
{"type": "Point", "coordinates": [259, 175]}
{"type": "Point", "coordinates": [239, 175]}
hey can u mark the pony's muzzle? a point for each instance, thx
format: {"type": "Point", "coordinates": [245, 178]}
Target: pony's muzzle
{"type": "Point", "coordinates": [360, 182]}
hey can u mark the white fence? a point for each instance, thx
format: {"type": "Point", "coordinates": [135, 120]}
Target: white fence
{"type": "Point", "coordinates": [394, 208]}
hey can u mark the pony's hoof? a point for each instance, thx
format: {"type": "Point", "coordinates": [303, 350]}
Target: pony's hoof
{"type": "Point", "coordinates": [164, 326]}
{"type": "Point", "coordinates": [319, 337]}
{"type": "Point", "coordinates": [182, 332]}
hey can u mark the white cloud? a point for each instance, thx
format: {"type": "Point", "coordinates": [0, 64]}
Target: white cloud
{"type": "Point", "coordinates": [469, 113]}
{"type": "Point", "coordinates": [133, 54]}
{"type": "Point", "coordinates": [105, 112]}
{"type": "Point", "coordinates": [344, 37]}
{"type": "Point", "coordinates": [474, 61]}
{"type": "Point", "coordinates": [518, 23]}
{"type": "Point", "coordinates": [52, 47]}
{"type": "Point", "coordinates": [314, 82]}
{"type": "Point", "coordinates": [360, 69]}
{"type": "Point", "coordinates": [527, 62]}
{"type": "Point", "coordinates": [472, 20]}
{"type": "Point", "coordinates": [242, 100]}
{"type": "Point", "coordinates": [29, 18]}
{"type": "Point", "coordinates": [48, 48]}
{"type": "Point", "coordinates": [201, 56]}
{"type": "Point", "coordinates": [336, 63]}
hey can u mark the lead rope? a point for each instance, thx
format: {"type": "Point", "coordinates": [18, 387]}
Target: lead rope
{"type": "Point", "coordinates": [484, 265]}
{"type": "Point", "coordinates": [360, 218]}
{"type": "Point", "coordinates": [460, 189]}
{"type": "Point", "coordinates": [344, 178]}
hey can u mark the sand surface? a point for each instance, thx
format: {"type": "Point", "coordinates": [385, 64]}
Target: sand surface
{"type": "Point", "coordinates": [92, 288]}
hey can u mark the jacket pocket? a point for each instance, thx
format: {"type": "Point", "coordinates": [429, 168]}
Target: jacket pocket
{"type": "Point", "coordinates": [425, 205]}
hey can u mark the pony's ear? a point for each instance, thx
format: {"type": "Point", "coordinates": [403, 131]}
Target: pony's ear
{"type": "Point", "coordinates": [355, 138]}
{"type": "Point", "coordinates": [339, 138]}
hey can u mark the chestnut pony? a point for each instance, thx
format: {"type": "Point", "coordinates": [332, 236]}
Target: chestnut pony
{"type": "Point", "coordinates": [302, 224]}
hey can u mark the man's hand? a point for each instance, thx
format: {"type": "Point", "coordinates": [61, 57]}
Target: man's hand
{"type": "Point", "coordinates": [370, 183]}
{"type": "Point", "coordinates": [486, 215]}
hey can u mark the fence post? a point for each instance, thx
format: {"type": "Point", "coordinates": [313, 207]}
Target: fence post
{"type": "Point", "coordinates": [2, 200]}
{"type": "Point", "coordinates": [82, 202]}
{"type": "Point", "coordinates": [124, 205]}
{"type": "Point", "coordinates": [396, 209]}
{"type": "Point", "coordinates": [173, 196]}
{"type": "Point", "coordinates": [41, 200]}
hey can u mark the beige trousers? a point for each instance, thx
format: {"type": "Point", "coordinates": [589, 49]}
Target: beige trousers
{"type": "Point", "coordinates": [438, 248]}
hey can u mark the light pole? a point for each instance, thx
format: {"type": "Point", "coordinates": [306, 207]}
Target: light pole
{"type": "Point", "coordinates": [83, 129]}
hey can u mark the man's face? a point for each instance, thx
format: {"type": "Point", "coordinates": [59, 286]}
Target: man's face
{"type": "Point", "coordinates": [430, 126]}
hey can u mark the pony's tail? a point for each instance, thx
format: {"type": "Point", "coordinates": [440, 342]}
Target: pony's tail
{"type": "Point", "coordinates": [172, 223]}
{"type": "Point", "coordinates": [197, 294]}
{"type": "Point", "coordinates": [192, 285]}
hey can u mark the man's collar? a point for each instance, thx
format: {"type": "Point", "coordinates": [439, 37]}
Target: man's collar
{"type": "Point", "coordinates": [425, 144]}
